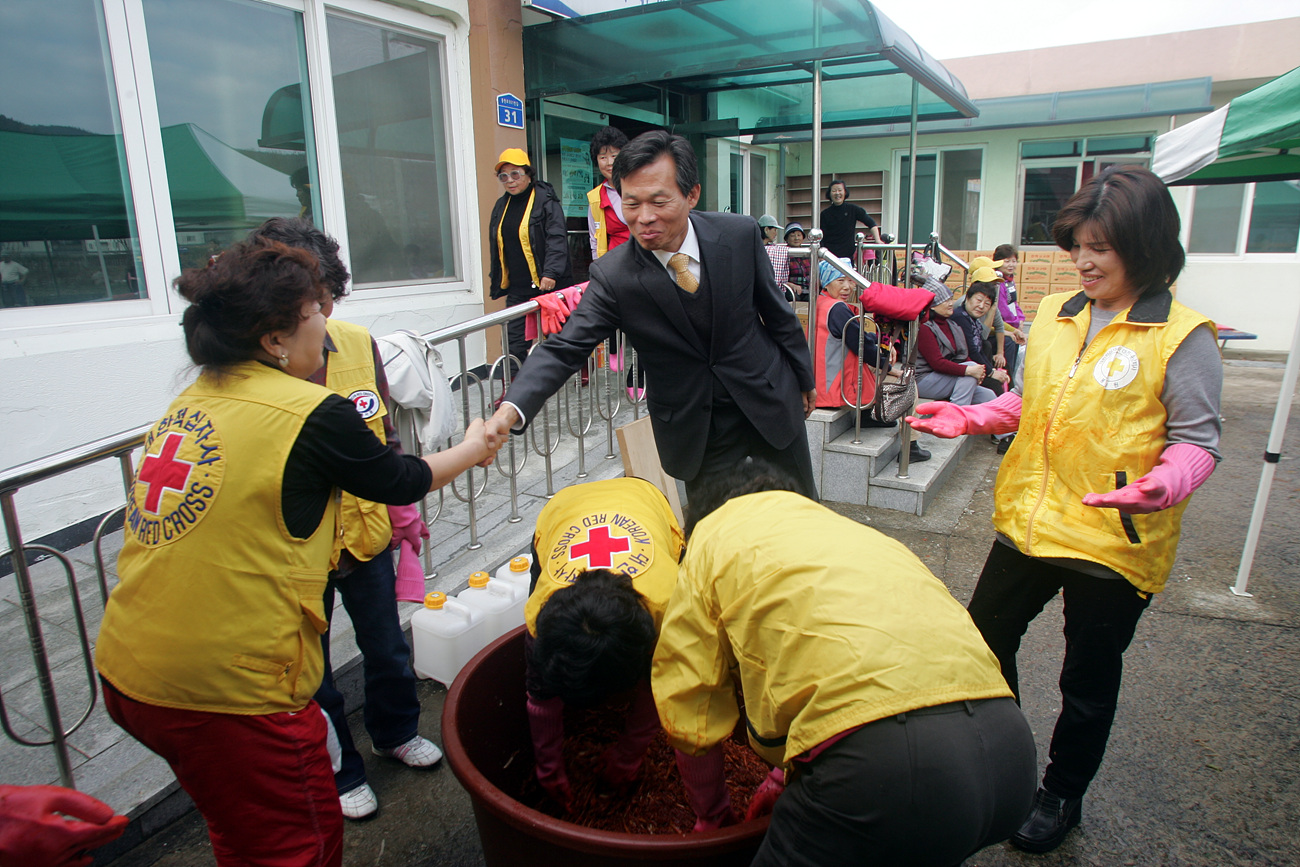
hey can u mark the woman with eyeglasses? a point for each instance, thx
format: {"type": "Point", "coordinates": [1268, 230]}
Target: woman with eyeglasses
{"type": "Point", "coordinates": [527, 240]}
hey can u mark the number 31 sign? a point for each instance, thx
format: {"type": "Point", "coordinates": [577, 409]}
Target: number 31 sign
{"type": "Point", "coordinates": [510, 111]}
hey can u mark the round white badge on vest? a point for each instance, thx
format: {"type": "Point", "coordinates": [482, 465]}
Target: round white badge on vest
{"type": "Point", "coordinates": [1116, 368]}
{"type": "Point", "coordinates": [366, 402]}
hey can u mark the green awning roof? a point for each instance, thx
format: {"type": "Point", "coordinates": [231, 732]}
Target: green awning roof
{"type": "Point", "coordinates": [753, 61]}
{"type": "Point", "coordinates": [1159, 99]}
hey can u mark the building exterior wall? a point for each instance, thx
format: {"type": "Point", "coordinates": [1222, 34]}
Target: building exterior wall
{"type": "Point", "coordinates": [79, 372]}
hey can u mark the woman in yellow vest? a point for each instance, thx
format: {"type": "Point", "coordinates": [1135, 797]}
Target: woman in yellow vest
{"type": "Point", "coordinates": [604, 564]}
{"type": "Point", "coordinates": [863, 681]}
{"type": "Point", "coordinates": [1118, 420]}
{"type": "Point", "coordinates": [528, 246]}
{"type": "Point", "coordinates": [210, 648]}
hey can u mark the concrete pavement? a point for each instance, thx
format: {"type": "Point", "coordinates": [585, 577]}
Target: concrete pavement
{"type": "Point", "coordinates": [1203, 766]}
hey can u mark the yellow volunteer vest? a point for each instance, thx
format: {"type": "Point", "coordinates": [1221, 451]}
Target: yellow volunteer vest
{"type": "Point", "coordinates": [828, 625]}
{"type": "Point", "coordinates": [624, 525]}
{"type": "Point", "coordinates": [219, 608]}
{"type": "Point", "coordinates": [598, 217]}
{"type": "Point", "coordinates": [364, 527]}
{"type": "Point", "coordinates": [1093, 426]}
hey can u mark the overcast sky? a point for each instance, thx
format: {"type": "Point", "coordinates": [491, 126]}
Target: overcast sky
{"type": "Point", "coordinates": [963, 28]}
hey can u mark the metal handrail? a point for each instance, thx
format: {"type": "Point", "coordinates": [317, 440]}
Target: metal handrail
{"type": "Point", "coordinates": [123, 445]}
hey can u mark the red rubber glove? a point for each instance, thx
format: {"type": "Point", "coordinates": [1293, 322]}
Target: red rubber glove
{"type": "Point", "coordinates": [706, 789]}
{"type": "Point", "coordinates": [1000, 415]}
{"type": "Point", "coordinates": [546, 724]}
{"type": "Point", "coordinates": [765, 796]}
{"type": "Point", "coordinates": [409, 532]}
{"type": "Point", "coordinates": [554, 311]}
{"type": "Point", "coordinates": [408, 526]}
{"type": "Point", "coordinates": [1182, 469]}
{"type": "Point", "coordinates": [53, 826]}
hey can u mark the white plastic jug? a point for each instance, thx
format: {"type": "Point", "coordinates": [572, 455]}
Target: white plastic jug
{"type": "Point", "coordinates": [517, 571]}
{"type": "Point", "coordinates": [501, 602]}
{"type": "Point", "coordinates": [445, 635]}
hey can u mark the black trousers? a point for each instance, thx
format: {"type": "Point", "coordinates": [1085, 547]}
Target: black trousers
{"type": "Point", "coordinates": [733, 437]}
{"type": "Point", "coordinates": [1101, 615]}
{"type": "Point", "coordinates": [515, 328]}
{"type": "Point", "coordinates": [922, 789]}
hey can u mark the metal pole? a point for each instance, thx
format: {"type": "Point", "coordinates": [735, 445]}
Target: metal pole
{"type": "Point", "coordinates": [905, 432]}
{"type": "Point", "coordinates": [1271, 456]}
{"type": "Point", "coordinates": [816, 132]}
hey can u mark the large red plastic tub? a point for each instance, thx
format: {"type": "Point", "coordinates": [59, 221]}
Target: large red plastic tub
{"type": "Point", "coordinates": [485, 736]}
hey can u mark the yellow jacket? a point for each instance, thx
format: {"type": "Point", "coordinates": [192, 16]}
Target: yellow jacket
{"type": "Point", "coordinates": [624, 525]}
{"type": "Point", "coordinates": [598, 217]}
{"type": "Point", "coordinates": [826, 623]}
{"type": "Point", "coordinates": [219, 608]}
{"type": "Point", "coordinates": [1092, 420]}
{"type": "Point", "coordinates": [364, 527]}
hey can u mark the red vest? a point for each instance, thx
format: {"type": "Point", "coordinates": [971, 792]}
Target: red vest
{"type": "Point", "coordinates": [835, 366]}
{"type": "Point", "coordinates": [615, 229]}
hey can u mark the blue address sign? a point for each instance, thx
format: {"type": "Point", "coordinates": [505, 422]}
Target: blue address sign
{"type": "Point", "coordinates": [510, 111]}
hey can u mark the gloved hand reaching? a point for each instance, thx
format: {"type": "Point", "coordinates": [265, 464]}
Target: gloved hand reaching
{"type": "Point", "coordinates": [1182, 469]}
{"type": "Point", "coordinates": [947, 420]}
{"type": "Point", "coordinates": [706, 789]}
{"type": "Point", "coordinates": [765, 795]}
{"type": "Point", "coordinates": [53, 826]}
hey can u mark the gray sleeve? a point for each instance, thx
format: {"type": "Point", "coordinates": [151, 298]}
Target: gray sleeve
{"type": "Point", "coordinates": [1193, 386]}
{"type": "Point", "coordinates": [998, 322]}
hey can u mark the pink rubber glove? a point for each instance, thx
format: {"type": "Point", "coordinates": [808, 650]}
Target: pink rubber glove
{"type": "Point", "coordinates": [546, 723]}
{"type": "Point", "coordinates": [706, 788]}
{"type": "Point", "coordinates": [1182, 468]}
{"type": "Point", "coordinates": [573, 294]}
{"type": "Point", "coordinates": [53, 827]}
{"type": "Point", "coordinates": [409, 532]}
{"type": "Point", "coordinates": [765, 796]}
{"type": "Point", "coordinates": [554, 311]}
{"type": "Point", "coordinates": [1000, 415]}
{"type": "Point", "coordinates": [622, 760]}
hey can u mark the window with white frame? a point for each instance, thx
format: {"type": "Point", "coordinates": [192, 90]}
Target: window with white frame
{"type": "Point", "coordinates": [67, 222]}
{"type": "Point", "coordinates": [216, 132]}
{"type": "Point", "coordinates": [1051, 171]}
{"type": "Point", "coordinates": [1237, 219]}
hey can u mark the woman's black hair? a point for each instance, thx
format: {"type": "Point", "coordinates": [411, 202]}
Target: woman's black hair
{"type": "Point", "coordinates": [1004, 252]}
{"type": "Point", "coordinates": [607, 137]}
{"type": "Point", "coordinates": [255, 287]}
{"type": "Point", "coordinates": [1131, 210]}
{"type": "Point", "coordinates": [985, 288]}
{"type": "Point", "coordinates": [650, 146]}
{"type": "Point", "coordinates": [297, 232]}
{"type": "Point", "coordinates": [747, 477]}
{"type": "Point", "coordinates": [833, 182]}
{"type": "Point", "coordinates": [594, 639]}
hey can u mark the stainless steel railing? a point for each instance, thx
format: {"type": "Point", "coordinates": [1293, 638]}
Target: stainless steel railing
{"type": "Point", "coordinates": [575, 410]}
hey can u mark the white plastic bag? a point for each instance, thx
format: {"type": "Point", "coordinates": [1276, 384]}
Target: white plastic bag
{"type": "Point", "coordinates": [417, 383]}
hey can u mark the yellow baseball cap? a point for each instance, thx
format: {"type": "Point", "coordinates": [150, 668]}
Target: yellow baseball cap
{"type": "Point", "coordinates": [983, 262]}
{"type": "Point", "coordinates": [984, 274]}
{"type": "Point", "coordinates": [513, 156]}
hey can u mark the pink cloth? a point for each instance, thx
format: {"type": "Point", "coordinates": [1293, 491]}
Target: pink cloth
{"type": "Point", "coordinates": [1182, 469]}
{"type": "Point", "coordinates": [409, 532]}
{"type": "Point", "coordinates": [947, 420]}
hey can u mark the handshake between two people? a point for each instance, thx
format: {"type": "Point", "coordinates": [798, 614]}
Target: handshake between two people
{"type": "Point", "coordinates": [1181, 469]}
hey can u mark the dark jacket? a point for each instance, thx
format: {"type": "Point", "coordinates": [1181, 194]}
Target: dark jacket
{"type": "Point", "coordinates": [757, 351]}
{"type": "Point", "coordinates": [977, 347]}
{"type": "Point", "coordinates": [547, 236]}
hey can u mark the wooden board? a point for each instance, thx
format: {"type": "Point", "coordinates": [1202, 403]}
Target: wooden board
{"type": "Point", "coordinates": [641, 459]}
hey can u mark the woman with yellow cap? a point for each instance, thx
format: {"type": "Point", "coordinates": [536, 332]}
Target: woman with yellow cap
{"type": "Point", "coordinates": [527, 240]}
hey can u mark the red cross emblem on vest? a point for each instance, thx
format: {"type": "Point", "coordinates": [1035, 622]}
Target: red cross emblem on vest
{"type": "Point", "coordinates": [164, 471]}
{"type": "Point", "coordinates": [599, 547]}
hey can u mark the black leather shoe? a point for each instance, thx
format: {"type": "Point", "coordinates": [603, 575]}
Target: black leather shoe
{"type": "Point", "coordinates": [1052, 818]}
{"type": "Point", "coordinates": [1005, 443]}
{"type": "Point", "coordinates": [916, 454]}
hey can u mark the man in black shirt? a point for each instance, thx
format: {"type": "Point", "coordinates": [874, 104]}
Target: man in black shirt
{"type": "Point", "coordinates": [840, 220]}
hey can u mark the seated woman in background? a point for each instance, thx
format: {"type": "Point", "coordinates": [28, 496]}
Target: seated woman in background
{"type": "Point", "coordinates": [944, 369]}
{"type": "Point", "coordinates": [968, 316]}
{"type": "Point", "coordinates": [210, 647]}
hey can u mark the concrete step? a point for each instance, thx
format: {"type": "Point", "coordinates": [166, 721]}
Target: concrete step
{"type": "Point", "coordinates": [923, 482]}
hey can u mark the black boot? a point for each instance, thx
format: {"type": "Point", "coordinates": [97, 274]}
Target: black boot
{"type": "Point", "coordinates": [1052, 818]}
{"type": "Point", "coordinates": [916, 454]}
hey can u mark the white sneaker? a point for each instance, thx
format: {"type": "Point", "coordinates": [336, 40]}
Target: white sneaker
{"type": "Point", "coordinates": [359, 803]}
{"type": "Point", "coordinates": [418, 752]}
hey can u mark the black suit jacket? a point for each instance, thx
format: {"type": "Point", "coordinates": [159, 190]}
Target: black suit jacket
{"type": "Point", "coordinates": [758, 352]}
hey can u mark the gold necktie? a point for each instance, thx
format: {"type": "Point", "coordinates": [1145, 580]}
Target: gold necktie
{"type": "Point", "coordinates": [685, 279]}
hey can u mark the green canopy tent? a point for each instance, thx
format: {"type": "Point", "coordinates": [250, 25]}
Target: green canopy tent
{"type": "Point", "coordinates": [1252, 138]}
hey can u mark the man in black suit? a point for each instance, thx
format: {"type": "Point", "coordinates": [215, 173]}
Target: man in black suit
{"type": "Point", "coordinates": [727, 367]}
